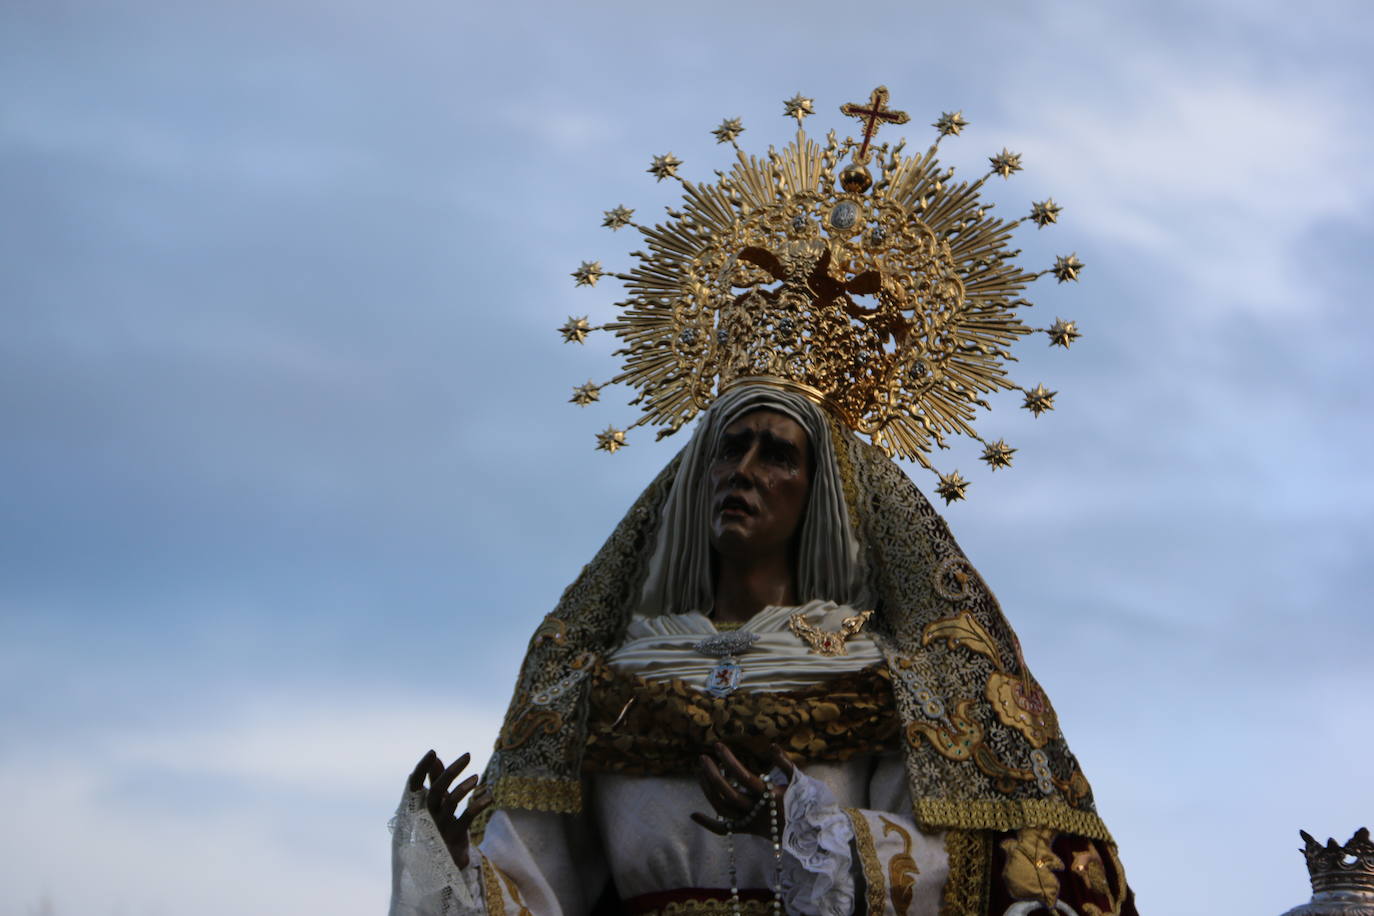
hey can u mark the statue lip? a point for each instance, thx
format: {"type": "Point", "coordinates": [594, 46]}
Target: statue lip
{"type": "Point", "coordinates": [733, 502]}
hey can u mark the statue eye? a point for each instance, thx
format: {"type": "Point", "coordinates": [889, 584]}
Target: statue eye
{"type": "Point", "coordinates": [731, 448]}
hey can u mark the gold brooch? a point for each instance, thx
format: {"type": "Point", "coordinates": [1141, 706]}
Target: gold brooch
{"type": "Point", "coordinates": [824, 643]}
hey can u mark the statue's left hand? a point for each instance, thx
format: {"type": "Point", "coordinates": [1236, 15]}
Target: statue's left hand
{"type": "Point", "coordinates": [736, 794]}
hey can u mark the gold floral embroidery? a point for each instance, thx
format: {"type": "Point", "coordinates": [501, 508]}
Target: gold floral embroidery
{"type": "Point", "coordinates": [901, 869]}
{"type": "Point", "coordinates": [553, 629]}
{"type": "Point", "coordinates": [669, 723]}
{"type": "Point", "coordinates": [535, 719]}
{"type": "Point", "coordinates": [1020, 703]}
{"type": "Point", "coordinates": [868, 858]}
{"type": "Point", "coordinates": [1018, 700]}
{"type": "Point", "coordinates": [1029, 873]}
{"type": "Point", "coordinates": [970, 861]}
{"type": "Point", "coordinates": [563, 796]}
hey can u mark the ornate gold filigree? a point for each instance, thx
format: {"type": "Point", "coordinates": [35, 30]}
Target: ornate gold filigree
{"type": "Point", "coordinates": [1017, 699]}
{"type": "Point", "coordinates": [890, 296]}
{"type": "Point", "coordinates": [901, 869]}
{"type": "Point", "coordinates": [823, 642]}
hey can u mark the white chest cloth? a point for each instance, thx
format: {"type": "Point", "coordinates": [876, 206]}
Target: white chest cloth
{"type": "Point", "coordinates": [663, 649]}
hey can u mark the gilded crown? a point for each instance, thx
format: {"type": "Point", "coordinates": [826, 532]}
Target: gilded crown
{"type": "Point", "coordinates": [893, 303]}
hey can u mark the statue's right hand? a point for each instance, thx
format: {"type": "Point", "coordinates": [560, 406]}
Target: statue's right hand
{"type": "Point", "coordinates": [442, 803]}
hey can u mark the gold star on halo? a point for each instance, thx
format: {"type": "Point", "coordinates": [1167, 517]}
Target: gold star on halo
{"type": "Point", "coordinates": [1045, 212]}
{"type": "Point", "coordinates": [998, 454]}
{"type": "Point", "coordinates": [729, 129]}
{"type": "Point", "coordinates": [588, 273]}
{"type": "Point", "coordinates": [664, 166]}
{"type": "Point", "coordinates": [1066, 267]}
{"type": "Point", "coordinates": [1062, 333]}
{"type": "Point", "coordinates": [951, 122]}
{"type": "Point", "coordinates": [611, 439]}
{"type": "Point", "coordinates": [952, 487]}
{"type": "Point", "coordinates": [1006, 162]}
{"type": "Point", "coordinates": [1039, 400]}
{"type": "Point", "coordinates": [618, 217]}
{"type": "Point", "coordinates": [585, 394]}
{"type": "Point", "coordinates": [575, 330]}
{"type": "Point", "coordinates": [798, 107]}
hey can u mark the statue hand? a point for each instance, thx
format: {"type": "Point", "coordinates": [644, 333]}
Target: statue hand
{"type": "Point", "coordinates": [442, 803]}
{"type": "Point", "coordinates": [738, 795]}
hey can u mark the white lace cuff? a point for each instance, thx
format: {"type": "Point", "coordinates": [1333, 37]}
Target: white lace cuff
{"type": "Point", "coordinates": [424, 880]}
{"type": "Point", "coordinates": [816, 875]}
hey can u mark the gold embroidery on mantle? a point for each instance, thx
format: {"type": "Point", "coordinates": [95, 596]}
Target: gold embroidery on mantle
{"type": "Point", "coordinates": [1018, 700]}
{"type": "Point", "coordinates": [1029, 873]}
{"type": "Point", "coordinates": [876, 889]}
{"type": "Point", "coordinates": [901, 869]}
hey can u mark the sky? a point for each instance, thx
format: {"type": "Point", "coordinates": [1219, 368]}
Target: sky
{"type": "Point", "coordinates": [290, 474]}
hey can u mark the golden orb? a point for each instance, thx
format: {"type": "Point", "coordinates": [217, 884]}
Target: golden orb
{"type": "Point", "coordinates": [855, 178]}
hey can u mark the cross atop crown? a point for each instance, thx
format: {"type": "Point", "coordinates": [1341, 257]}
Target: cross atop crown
{"type": "Point", "coordinates": [874, 115]}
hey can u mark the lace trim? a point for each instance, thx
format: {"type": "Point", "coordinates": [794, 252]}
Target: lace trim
{"type": "Point", "coordinates": [817, 880]}
{"type": "Point", "coordinates": [422, 854]}
{"type": "Point", "coordinates": [876, 892]}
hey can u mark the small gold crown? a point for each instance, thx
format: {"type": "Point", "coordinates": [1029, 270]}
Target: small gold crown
{"type": "Point", "coordinates": [892, 303]}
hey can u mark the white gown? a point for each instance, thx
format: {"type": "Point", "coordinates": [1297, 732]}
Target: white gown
{"type": "Point", "coordinates": [850, 841]}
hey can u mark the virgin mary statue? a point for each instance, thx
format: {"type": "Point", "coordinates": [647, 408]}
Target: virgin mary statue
{"type": "Point", "coordinates": [780, 686]}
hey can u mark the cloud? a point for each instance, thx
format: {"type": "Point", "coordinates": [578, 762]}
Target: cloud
{"type": "Point", "coordinates": [1211, 180]}
{"type": "Point", "coordinates": [272, 804]}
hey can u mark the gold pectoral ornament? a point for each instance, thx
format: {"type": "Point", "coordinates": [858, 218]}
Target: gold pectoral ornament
{"type": "Point", "coordinates": [823, 642]}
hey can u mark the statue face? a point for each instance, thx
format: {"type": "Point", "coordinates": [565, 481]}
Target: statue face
{"type": "Point", "coordinates": [760, 479]}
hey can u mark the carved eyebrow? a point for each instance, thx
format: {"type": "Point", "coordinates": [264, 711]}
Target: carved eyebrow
{"type": "Point", "coordinates": [770, 441]}
{"type": "Point", "coordinates": [777, 442]}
